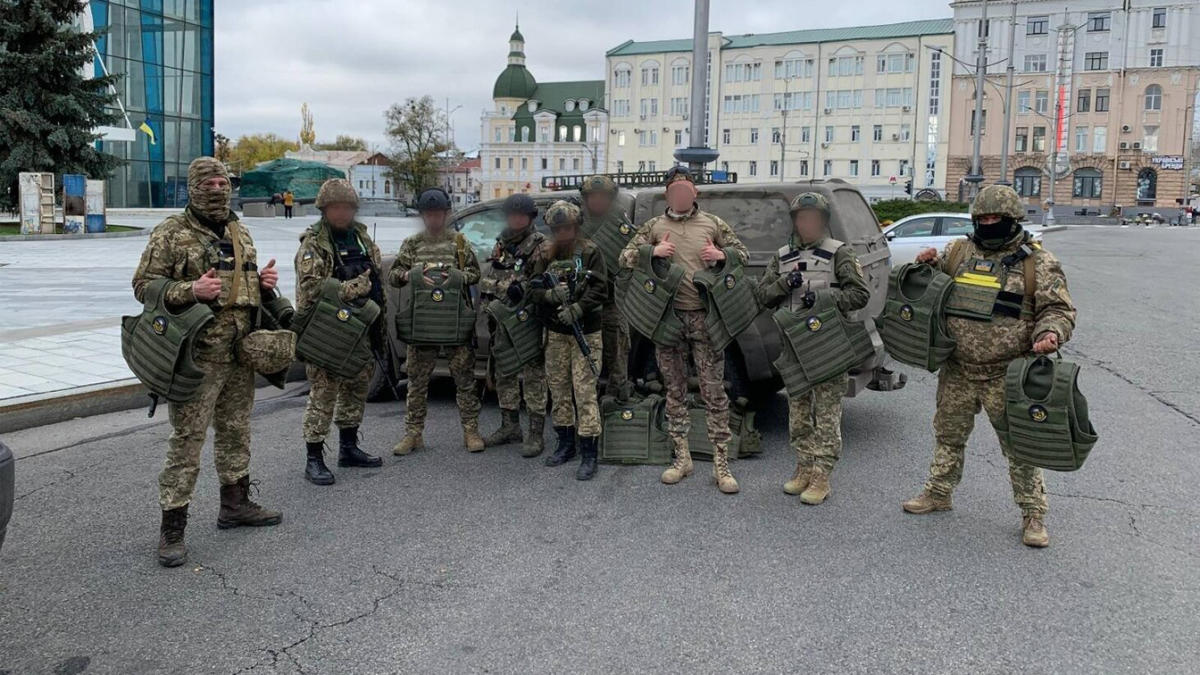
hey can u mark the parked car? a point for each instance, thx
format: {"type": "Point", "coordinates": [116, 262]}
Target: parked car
{"type": "Point", "coordinates": [909, 236]}
{"type": "Point", "coordinates": [7, 489]}
{"type": "Point", "coordinates": [759, 215]}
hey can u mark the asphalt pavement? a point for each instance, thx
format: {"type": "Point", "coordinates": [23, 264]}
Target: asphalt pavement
{"type": "Point", "coordinates": [444, 561]}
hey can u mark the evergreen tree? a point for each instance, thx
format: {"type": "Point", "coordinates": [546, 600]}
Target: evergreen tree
{"type": "Point", "coordinates": [48, 110]}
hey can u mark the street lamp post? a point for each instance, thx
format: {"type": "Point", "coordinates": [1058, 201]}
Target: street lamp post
{"type": "Point", "coordinates": [697, 154]}
{"type": "Point", "coordinates": [1012, 41]}
{"type": "Point", "coordinates": [592, 152]}
{"type": "Point", "coordinates": [976, 176]}
{"type": "Point", "coordinates": [783, 129]}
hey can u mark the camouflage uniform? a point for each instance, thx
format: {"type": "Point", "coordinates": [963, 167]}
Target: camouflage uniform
{"type": "Point", "coordinates": [508, 264]}
{"type": "Point", "coordinates": [420, 250]}
{"type": "Point", "coordinates": [615, 329]}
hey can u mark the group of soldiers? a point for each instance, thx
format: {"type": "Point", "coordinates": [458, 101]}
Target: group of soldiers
{"type": "Point", "coordinates": [560, 290]}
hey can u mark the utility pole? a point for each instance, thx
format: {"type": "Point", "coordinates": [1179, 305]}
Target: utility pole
{"type": "Point", "coordinates": [1059, 75]}
{"type": "Point", "coordinates": [783, 130]}
{"type": "Point", "coordinates": [1008, 105]}
{"type": "Point", "coordinates": [697, 154]}
{"type": "Point", "coordinates": [976, 176]}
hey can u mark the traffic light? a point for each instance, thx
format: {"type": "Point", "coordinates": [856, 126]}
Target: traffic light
{"type": "Point", "coordinates": [908, 187]}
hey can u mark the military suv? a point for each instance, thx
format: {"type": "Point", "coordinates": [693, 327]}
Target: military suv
{"type": "Point", "coordinates": [759, 215]}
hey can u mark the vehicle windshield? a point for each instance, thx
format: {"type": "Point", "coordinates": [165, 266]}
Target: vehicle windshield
{"type": "Point", "coordinates": [482, 227]}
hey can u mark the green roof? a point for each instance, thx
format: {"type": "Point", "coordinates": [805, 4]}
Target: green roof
{"type": "Point", "coordinates": [514, 82]}
{"type": "Point", "coordinates": [516, 35]}
{"type": "Point", "coordinates": [551, 96]}
{"type": "Point", "coordinates": [881, 32]}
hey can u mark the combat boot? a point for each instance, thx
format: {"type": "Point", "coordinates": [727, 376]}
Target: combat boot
{"type": "Point", "coordinates": [681, 466]}
{"type": "Point", "coordinates": [349, 454]}
{"type": "Point", "coordinates": [471, 438]}
{"type": "Point", "coordinates": [413, 440]}
{"type": "Point", "coordinates": [725, 481]}
{"type": "Point", "coordinates": [1033, 531]}
{"type": "Point", "coordinates": [588, 455]}
{"type": "Point", "coordinates": [509, 431]}
{"type": "Point", "coordinates": [818, 487]}
{"type": "Point", "coordinates": [565, 451]}
{"type": "Point", "coordinates": [535, 438]}
{"type": "Point", "coordinates": [799, 480]}
{"type": "Point", "coordinates": [171, 550]}
{"type": "Point", "coordinates": [238, 511]}
{"type": "Point", "coordinates": [926, 503]}
{"type": "Point", "coordinates": [315, 470]}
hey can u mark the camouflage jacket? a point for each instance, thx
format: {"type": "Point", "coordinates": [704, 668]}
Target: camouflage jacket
{"type": "Point", "coordinates": [509, 262]}
{"type": "Point", "coordinates": [422, 249]}
{"type": "Point", "coordinates": [986, 347]}
{"type": "Point", "coordinates": [315, 262]}
{"type": "Point", "coordinates": [591, 294]}
{"type": "Point", "coordinates": [182, 249]}
{"type": "Point", "coordinates": [851, 294]}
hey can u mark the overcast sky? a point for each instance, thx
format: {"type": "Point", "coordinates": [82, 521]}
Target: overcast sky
{"type": "Point", "coordinates": [350, 59]}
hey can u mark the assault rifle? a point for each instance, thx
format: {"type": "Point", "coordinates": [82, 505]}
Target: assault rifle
{"type": "Point", "coordinates": [571, 280]}
{"type": "Point", "coordinates": [378, 334]}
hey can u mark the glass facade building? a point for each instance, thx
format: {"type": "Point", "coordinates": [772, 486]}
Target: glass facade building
{"type": "Point", "coordinates": [163, 52]}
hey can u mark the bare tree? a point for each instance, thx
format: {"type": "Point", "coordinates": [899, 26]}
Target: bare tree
{"type": "Point", "coordinates": [416, 129]}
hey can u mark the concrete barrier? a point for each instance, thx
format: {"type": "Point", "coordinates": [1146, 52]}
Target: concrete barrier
{"type": "Point", "coordinates": [258, 210]}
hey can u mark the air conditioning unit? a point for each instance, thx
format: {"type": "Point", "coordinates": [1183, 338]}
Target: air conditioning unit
{"type": "Point", "coordinates": [824, 145]}
{"type": "Point", "coordinates": [829, 111]}
{"type": "Point", "coordinates": [1137, 146]}
{"type": "Point", "coordinates": [907, 108]}
{"type": "Point", "coordinates": [1126, 129]}
{"type": "Point", "coordinates": [895, 137]}
{"type": "Point", "coordinates": [1124, 165]}
{"type": "Point", "coordinates": [1124, 145]}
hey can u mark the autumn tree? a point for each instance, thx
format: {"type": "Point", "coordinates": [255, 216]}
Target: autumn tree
{"type": "Point", "coordinates": [417, 132]}
{"type": "Point", "coordinates": [344, 142]}
{"type": "Point", "coordinates": [254, 149]}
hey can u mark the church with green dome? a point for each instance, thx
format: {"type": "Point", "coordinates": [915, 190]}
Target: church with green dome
{"type": "Point", "coordinates": [537, 129]}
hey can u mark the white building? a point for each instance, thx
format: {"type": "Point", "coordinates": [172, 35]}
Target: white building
{"type": "Point", "coordinates": [370, 178]}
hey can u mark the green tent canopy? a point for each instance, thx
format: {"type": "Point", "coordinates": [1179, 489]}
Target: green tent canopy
{"type": "Point", "coordinates": [302, 177]}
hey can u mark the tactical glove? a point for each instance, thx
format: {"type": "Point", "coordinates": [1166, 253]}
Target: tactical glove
{"type": "Point", "coordinates": [515, 292]}
{"type": "Point", "coordinates": [794, 279]}
{"type": "Point", "coordinates": [570, 313]}
{"type": "Point", "coordinates": [559, 295]}
{"type": "Point", "coordinates": [810, 299]}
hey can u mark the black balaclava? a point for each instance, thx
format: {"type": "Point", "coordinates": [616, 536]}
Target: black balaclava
{"type": "Point", "coordinates": [996, 235]}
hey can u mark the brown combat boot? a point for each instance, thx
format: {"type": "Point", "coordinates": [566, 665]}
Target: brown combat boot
{"type": "Point", "coordinates": [171, 550]}
{"type": "Point", "coordinates": [799, 480]}
{"type": "Point", "coordinates": [818, 487]}
{"type": "Point", "coordinates": [413, 440]}
{"type": "Point", "coordinates": [926, 503]}
{"type": "Point", "coordinates": [1033, 531]}
{"type": "Point", "coordinates": [509, 431]}
{"type": "Point", "coordinates": [681, 466]}
{"type": "Point", "coordinates": [238, 511]}
{"type": "Point", "coordinates": [725, 481]}
{"type": "Point", "coordinates": [535, 438]}
{"type": "Point", "coordinates": [472, 439]}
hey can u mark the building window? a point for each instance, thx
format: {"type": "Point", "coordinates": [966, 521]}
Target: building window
{"type": "Point", "coordinates": [1147, 185]}
{"type": "Point", "coordinates": [854, 167]}
{"type": "Point", "coordinates": [1027, 181]}
{"type": "Point", "coordinates": [1087, 183]}
{"type": "Point", "coordinates": [893, 97]}
{"type": "Point", "coordinates": [621, 139]}
{"type": "Point", "coordinates": [1154, 97]}
{"type": "Point", "coordinates": [1081, 139]}
{"type": "Point", "coordinates": [679, 74]}
{"type": "Point", "coordinates": [497, 162]}
{"type": "Point", "coordinates": [1039, 139]}
{"type": "Point", "coordinates": [855, 133]}
{"type": "Point", "coordinates": [1156, 58]}
{"type": "Point", "coordinates": [1035, 63]}
{"type": "Point", "coordinates": [804, 167]}
{"type": "Point", "coordinates": [679, 138]}
{"type": "Point", "coordinates": [641, 166]}
{"type": "Point", "coordinates": [524, 163]}
{"type": "Point", "coordinates": [828, 134]}
{"type": "Point", "coordinates": [499, 135]}
{"type": "Point", "coordinates": [1023, 101]}
{"type": "Point", "coordinates": [877, 133]}
{"type": "Point", "coordinates": [787, 68]}
{"type": "Point", "coordinates": [1150, 138]}
{"type": "Point", "coordinates": [1095, 61]}
{"type": "Point", "coordinates": [753, 136]}
{"type": "Point", "coordinates": [649, 108]}
{"type": "Point", "coordinates": [575, 163]}
{"type": "Point", "coordinates": [753, 168]}
{"type": "Point", "coordinates": [1037, 25]}
{"type": "Point", "coordinates": [983, 29]}
{"type": "Point", "coordinates": [904, 167]}
{"type": "Point", "coordinates": [982, 125]}
{"type": "Point", "coordinates": [647, 138]}
{"type": "Point", "coordinates": [726, 136]}
{"type": "Point", "coordinates": [620, 107]}
{"type": "Point", "coordinates": [845, 66]}
{"type": "Point", "coordinates": [562, 133]}
{"type": "Point", "coordinates": [806, 134]}
{"type": "Point", "coordinates": [652, 166]}
{"type": "Point", "coordinates": [774, 168]}
{"type": "Point", "coordinates": [562, 163]}
{"type": "Point", "coordinates": [1041, 101]}
{"type": "Point", "coordinates": [387, 187]}
{"type": "Point", "coordinates": [1099, 22]}
{"type": "Point", "coordinates": [1101, 100]}
{"type": "Point", "coordinates": [794, 100]}
{"type": "Point", "coordinates": [545, 164]}
{"type": "Point", "coordinates": [875, 167]}
{"type": "Point", "coordinates": [1022, 144]}
{"type": "Point", "coordinates": [775, 135]}
{"type": "Point", "coordinates": [725, 166]}
{"type": "Point", "coordinates": [649, 75]}
{"type": "Point", "coordinates": [622, 77]}
{"type": "Point", "coordinates": [1100, 139]}
{"type": "Point", "coordinates": [577, 133]}
{"type": "Point", "coordinates": [544, 133]}
{"type": "Point", "coordinates": [1084, 101]}
{"type": "Point", "coordinates": [510, 163]}
{"type": "Point", "coordinates": [743, 72]}
{"type": "Point", "coordinates": [828, 168]}
{"type": "Point", "coordinates": [1160, 18]}
{"type": "Point", "coordinates": [894, 63]}
{"type": "Point", "coordinates": [620, 166]}
{"type": "Point", "coordinates": [679, 106]}
{"type": "Point", "coordinates": [906, 132]}
{"type": "Point", "coordinates": [524, 134]}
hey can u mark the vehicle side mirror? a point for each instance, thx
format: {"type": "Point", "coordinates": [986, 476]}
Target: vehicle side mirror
{"type": "Point", "coordinates": [890, 236]}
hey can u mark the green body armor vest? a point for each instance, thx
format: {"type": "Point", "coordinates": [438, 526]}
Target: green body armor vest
{"type": "Point", "coordinates": [633, 432]}
{"type": "Point", "coordinates": [978, 291]}
{"type": "Point", "coordinates": [744, 439]}
{"type": "Point", "coordinates": [439, 315]}
{"type": "Point", "coordinates": [1046, 415]}
{"type": "Point", "coordinates": [335, 335]}
{"type": "Point", "coordinates": [913, 322]}
{"type": "Point", "coordinates": [728, 297]}
{"type": "Point", "coordinates": [611, 238]}
{"type": "Point", "coordinates": [158, 345]}
{"type": "Point", "coordinates": [817, 344]}
{"type": "Point", "coordinates": [647, 300]}
{"type": "Point", "coordinates": [517, 339]}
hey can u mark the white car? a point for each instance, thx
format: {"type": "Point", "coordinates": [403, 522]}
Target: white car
{"type": "Point", "coordinates": [909, 236]}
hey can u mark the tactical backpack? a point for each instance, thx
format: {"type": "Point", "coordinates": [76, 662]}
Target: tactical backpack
{"type": "Point", "coordinates": [335, 335]}
{"type": "Point", "coordinates": [745, 440]}
{"type": "Point", "coordinates": [912, 324]}
{"type": "Point", "coordinates": [517, 339]}
{"type": "Point", "coordinates": [159, 345]}
{"type": "Point", "coordinates": [1046, 415]}
{"type": "Point", "coordinates": [646, 299]}
{"type": "Point", "coordinates": [438, 315]}
{"type": "Point", "coordinates": [818, 344]}
{"type": "Point", "coordinates": [634, 431]}
{"type": "Point", "coordinates": [728, 297]}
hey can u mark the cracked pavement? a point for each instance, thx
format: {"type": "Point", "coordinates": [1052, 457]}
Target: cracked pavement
{"type": "Point", "coordinates": [444, 561]}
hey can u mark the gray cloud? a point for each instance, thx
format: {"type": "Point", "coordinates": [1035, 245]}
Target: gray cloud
{"type": "Point", "coordinates": [350, 59]}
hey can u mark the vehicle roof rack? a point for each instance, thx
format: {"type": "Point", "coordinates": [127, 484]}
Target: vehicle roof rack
{"type": "Point", "coordinates": [638, 179]}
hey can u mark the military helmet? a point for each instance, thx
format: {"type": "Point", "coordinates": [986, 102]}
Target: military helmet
{"type": "Point", "coordinates": [998, 200]}
{"type": "Point", "coordinates": [268, 351]}
{"type": "Point", "coordinates": [810, 200]}
{"type": "Point", "coordinates": [336, 191]}
{"type": "Point", "coordinates": [433, 199]}
{"type": "Point", "coordinates": [677, 173]}
{"type": "Point", "coordinates": [561, 214]}
{"type": "Point", "coordinates": [520, 203]}
{"type": "Point", "coordinates": [598, 183]}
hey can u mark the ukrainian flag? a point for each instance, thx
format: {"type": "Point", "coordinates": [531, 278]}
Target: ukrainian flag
{"type": "Point", "coordinates": [145, 127]}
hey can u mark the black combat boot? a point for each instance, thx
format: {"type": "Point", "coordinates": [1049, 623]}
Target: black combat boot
{"type": "Point", "coordinates": [315, 470]}
{"type": "Point", "coordinates": [238, 511]}
{"type": "Point", "coordinates": [588, 453]}
{"type": "Point", "coordinates": [565, 451]}
{"type": "Point", "coordinates": [171, 550]}
{"type": "Point", "coordinates": [349, 454]}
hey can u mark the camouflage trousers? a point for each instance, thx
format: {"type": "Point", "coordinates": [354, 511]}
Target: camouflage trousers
{"type": "Point", "coordinates": [224, 402]}
{"type": "Point", "coordinates": [533, 378]}
{"type": "Point", "coordinates": [615, 332]}
{"type": "Point", "coordinates": [959, 400]}
{"type": "Point", "coordinates": [330, 397]}
{"type": "Point", "coordinates": [420, 363]}
{"type": "Point", "coordinates": [710, 370]}
{"type": "Point", "coordinates": [572, 384]}
{"type": "Point", "coordinates": [815, 424]}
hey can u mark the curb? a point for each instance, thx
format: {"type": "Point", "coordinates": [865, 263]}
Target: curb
{"type": "Point", "coordinates": [40, 409]}
{"type": "Point", "coordinates": [140, 232]}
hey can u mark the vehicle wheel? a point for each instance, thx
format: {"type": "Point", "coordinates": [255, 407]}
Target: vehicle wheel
{"type": "Point", "coordinates": [379, 389]}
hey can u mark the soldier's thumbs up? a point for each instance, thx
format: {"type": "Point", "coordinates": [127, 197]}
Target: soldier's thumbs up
{"type": "Point", "coordinates": [268, 277]}
{"type": "Point", "coordinates": [207, 287]}
{"type": "Point", "coordinates": [664, 249]}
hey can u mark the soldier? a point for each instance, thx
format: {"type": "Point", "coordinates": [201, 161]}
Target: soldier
{"type": "Point", "coordinates": [570, 303]}
{"type": "Point", "coordinates": [811, 263]}
{"type": "Point", "coordinates": [996, 313]}
{"type": "Point", "coordinates": [336, 246]}
{"type": "Point", "coordinates": [508, 267]}
{"type": "Point", "coordinates": [437, 248]}
{"type": "Point", "coordinates": [694, 239]}
{"type": "Point", "coordinates": [209, 257]}
{"type": "Point", "coordinates": [606, 225]}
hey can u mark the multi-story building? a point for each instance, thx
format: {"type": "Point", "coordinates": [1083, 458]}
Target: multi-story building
{"type": "Point", "coordinates": [865, 104]}
{"type": "Point", "coordinates": [460, 181]}
{"type": "Point", "coordinates": [1116, 80]}
{"type": "Point", "coordinates": [163, 53]}
{"type": "Point", "coordinates": [537, 129]}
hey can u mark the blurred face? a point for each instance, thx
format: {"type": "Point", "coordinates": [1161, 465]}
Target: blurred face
{"type": "Point", "coordinates": [598, 203]}
{"type": "Point", "coordinates": [564, 234]}
{"type": "Point", "coordinates": [517, 221]}
{"type": "Point", "coordinates": [340, 215]}
{"type": "Point", "coordinates": [681, 195]}
{"type": "Point", "coordinates": [215, 183]}
{"type": "Point", "coordinates": [809, 224]}
{"type": "Point", "coordinates": [435, 221]}
{"type": "Point", "coordinates": [989, 219]}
